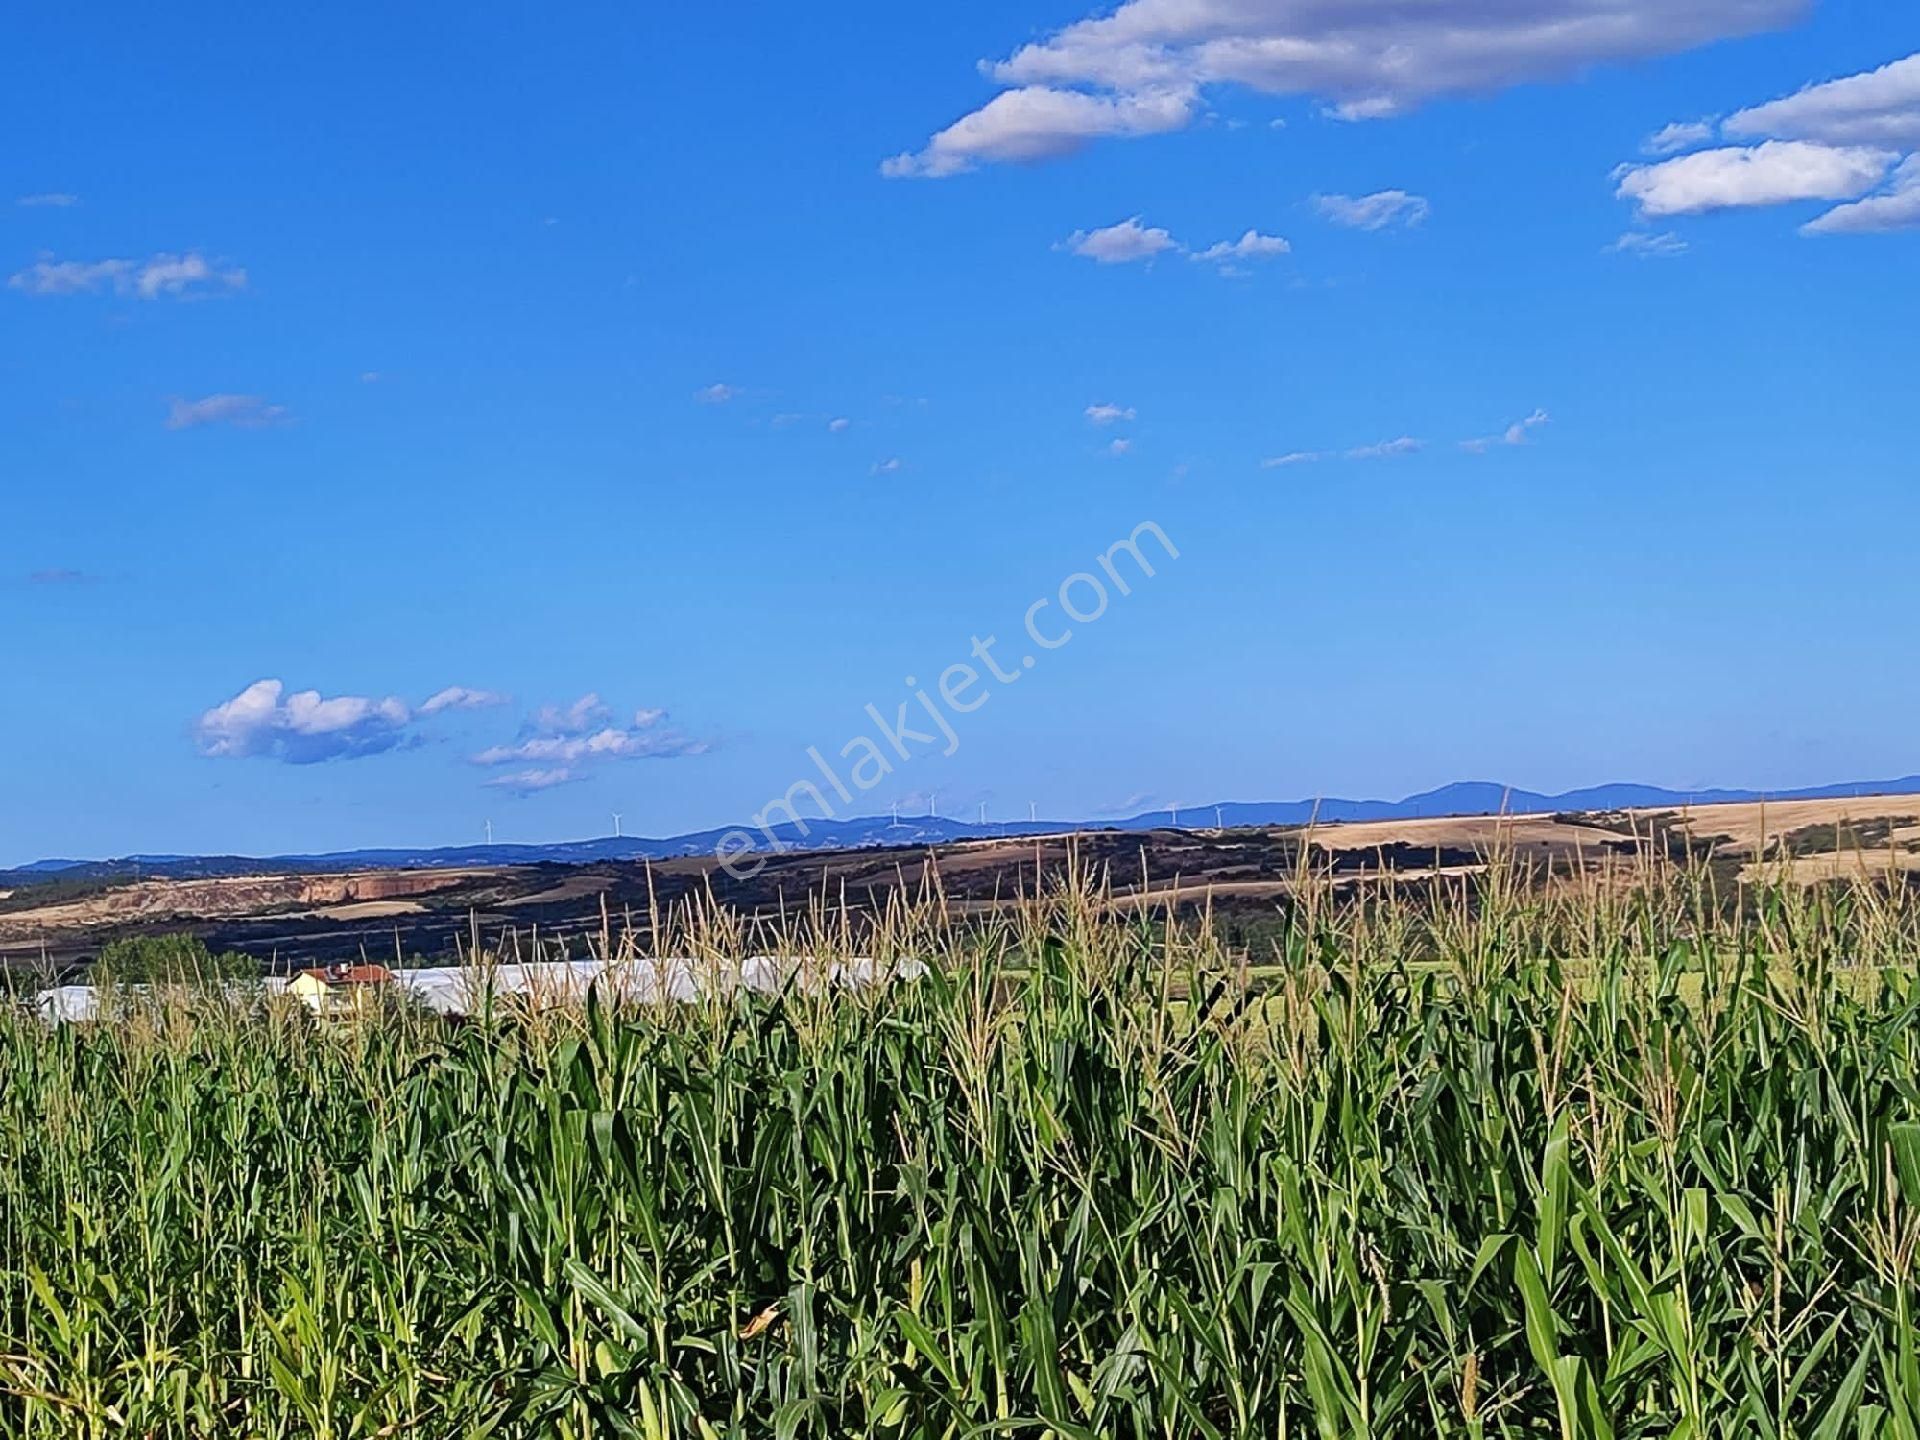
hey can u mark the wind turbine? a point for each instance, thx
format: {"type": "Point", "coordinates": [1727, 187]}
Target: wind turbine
{"type": "Point", "coordinates": [1033, 812]}
{"type": "Point", "coordinates": [932, 804]}
{"type": "Point", "coordinates": [1174, 810]}
{"type": "Point", "coordinates": [894, 824]}
{"type": "Point", "coordinates": [1218, 824]}
{"type": "Point", "coordinates": [616, 824]}
{"type": "Point", "coordinates": [489, 832]}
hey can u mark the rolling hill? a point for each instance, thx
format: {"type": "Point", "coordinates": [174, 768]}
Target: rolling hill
{"type": "Point", "coordinates": [1465, 798]}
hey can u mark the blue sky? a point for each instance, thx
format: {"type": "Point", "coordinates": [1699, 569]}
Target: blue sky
{"type": "Point", "coordinates": [498, 359]}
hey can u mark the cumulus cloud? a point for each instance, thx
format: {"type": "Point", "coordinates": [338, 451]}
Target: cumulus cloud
{"type": "Point", "coordinates": [303, 728]}
{"type": "Point", "coordinates": [1680, 135]}
{"type": "Point", "coordinates": [1250, 246]}
{"type": "Point", "coordinates": [1835, 140]}
{"type": "Point", "coordinates": [460, 697]}
{"type": "Point", "coordinates": [1105, 414]}
{"type": "Point", "coordinates": [248, 412]}
{"type": "Point", "coordinates": [889, 466]}
{"type": "Point", "coordinates": [557, 738]}
{"type": "Point", "coordinates": [715, 394]}
{"type": "Point", "coordinates": [160, 276]}
{"type": "Point", "coordinates": [1878, 108]}
{"type": "Point", "coordinates": [1514, 434]}
{"type": "Point", "coordinates": [1649, 245]}
{"type": "Point", "coordinates": [838, 423]}
{"type": "Point", "coordinates": [1144, 67]}
{"type": "Point", "coordinates": [589, 712]}
{"type": "Point", "coordinates": [1037, 122]}
{"type": "Point", "coordinates": [307, 728]}
{"type": "Point", "coordinates": [1121, 244]}
{"type": "Point", "coordinates": [1131, 241]}
{"type": "Point", "coordinates": [1375, 211]}
{"type": "Point", "coordinates": [1119, 447]}
{"type": "Point", "coordinates": [53, 199]}
{"type": "Point", "coordinates": [1770, 173]}
{"type": "Point", "coordinates": [1898, 208]}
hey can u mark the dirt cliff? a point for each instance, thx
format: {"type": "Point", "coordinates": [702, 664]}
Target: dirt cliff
{"type": "Point", "coordinates": [221, 898]}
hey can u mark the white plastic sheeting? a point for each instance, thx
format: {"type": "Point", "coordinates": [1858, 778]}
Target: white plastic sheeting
{"type": "Point", "coordinates": [469, 990]}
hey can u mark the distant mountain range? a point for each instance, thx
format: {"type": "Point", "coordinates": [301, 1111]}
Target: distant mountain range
{"type": "Point", "coordinates": [1472, 797]}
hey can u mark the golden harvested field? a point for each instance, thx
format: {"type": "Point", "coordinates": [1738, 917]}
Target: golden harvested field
{"type": "Point", "coordinates": [1248, 871]}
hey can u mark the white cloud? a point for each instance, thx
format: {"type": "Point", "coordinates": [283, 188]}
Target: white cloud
{"type": "Point", "coordinates": [1383, 450]}
{"type": "Point", "coordinates": [1119, 447]}
{"type": "Point", "coordinates": [1879, 107]}
{"type": "Point", "coordinates": [1649, 245]}
{"type": "Point", "coordinates": [558, 740]}
{"type": "Point", "coordinates": [715, 394]}
{"type": "Point", "coordinates": [178, 274]}
{"type": "Point", "coordinates": [1250, 246]}
{"type": "Point", "coordinates": [1131, 241]}
{"type": "Point", "coordinates": [1896, 209]}
{"type": "Point", "coordinates": [1680, 135]}
{"type": "Point", "coordinates": [1375, 211]}
{"type": "Point", "coordinates": [610, 743]}
{"type": "Point", "coordinates": [1143, 68]}
{"type": "Point", "coordinates": [532, 782]}
{"type": "Point", "coordinates": [460, 697]}
{"type": "Point", "coordinates": [53, 199]}
{"type": "Point", "coordinates": [1037, 122]}
{"type": "Point", "coordinates": [1386, 449]}
{"type": "Point", "coordinates": [1835, 140]}
{"type": "Point", "coordinates": [586, 713]}
{"type": "Point", "coordinates": [73, 277]}
{"type": "Point", "coordinates": [838, 423]}
{"type": "Point", "coordinates": [174, 276]}
{"type": "Point", "coordinates": [1121, 244]}
{"type": "Point", "coordinates": [1514, 434]}
{"type": "Point", "coordinates": [249, 412]}
{"type": "Point", "coordinates": [889, 466]}
{"type": "Point", "coordinates": [303, 728]}
{"type": "Point", "coordinates": [1771, 173]}
{"type": "Point", "coordinates": [1106, 414]}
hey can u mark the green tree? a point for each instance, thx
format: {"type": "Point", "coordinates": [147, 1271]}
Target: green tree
{"type": "Point", "coordinates": [168, 959]}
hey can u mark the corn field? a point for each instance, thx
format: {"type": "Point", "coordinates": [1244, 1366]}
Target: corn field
{"type": "Point", "coordinates": [1614, 1158]}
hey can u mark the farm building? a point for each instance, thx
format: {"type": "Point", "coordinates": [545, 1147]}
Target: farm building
{"type": "Point", "coordinates": [341, 989]}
